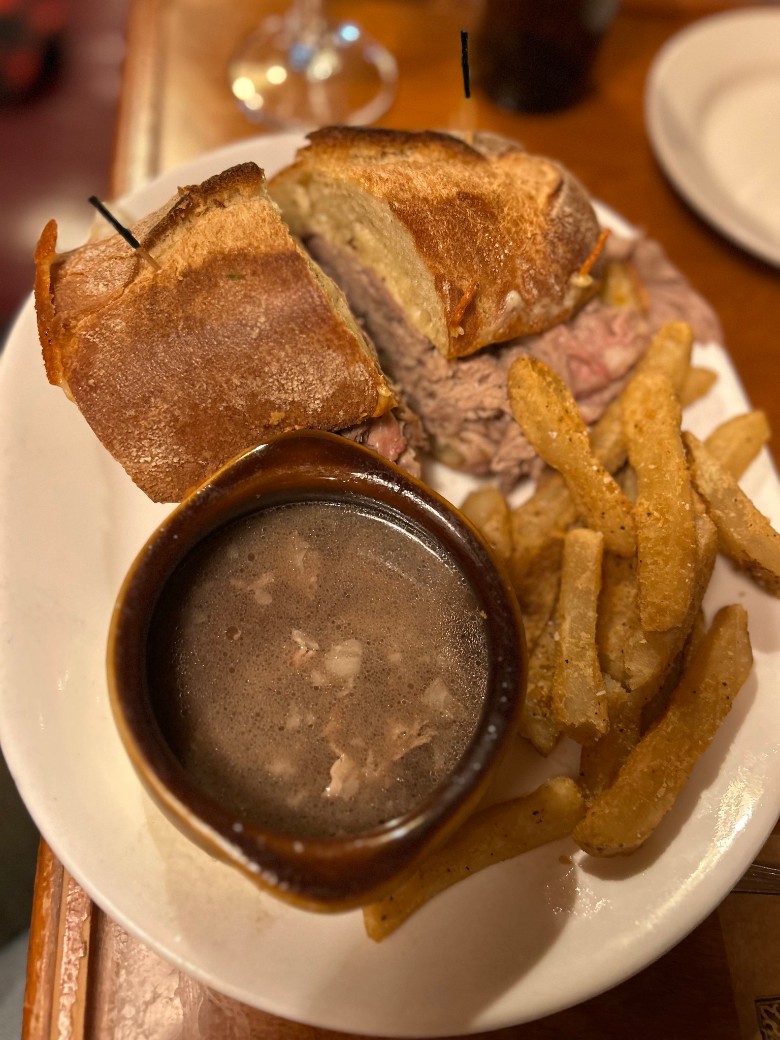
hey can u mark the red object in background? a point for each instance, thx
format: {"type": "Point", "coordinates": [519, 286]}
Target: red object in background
{"type": "Point", "coordinates": [30, 39]}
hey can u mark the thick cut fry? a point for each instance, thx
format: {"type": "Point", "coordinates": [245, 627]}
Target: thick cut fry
{"type": "Point", "coordinates": [547, 413]}
{"type": "Point", "coordinates": [692, 643]}
{"type": "Point", "coordinates": [624, 816]}
{"type": "Point", "coordinates": [537, 722]}
{"type": "Point", "coordinates": [664, 510]}
{"type": "Point", "coordinates": [626, 478]}
{"type": "Point", "coordinates": [537, 589]}
{"type": "Point", "coordinates": [698, 383]}
{"type": "Point", "coordinates": [550, 510]}
{"type": "Point", "coordinates": [642, 661]}
{"type": "Point", "coordinates": [670, 354]}
{"type": "Point", "coordinates": [621, 287]}
{"type": "Point", "coordinates": [745, 534]}
{"type": "Point", "coordinates": [537, 522]}
{"type": "Point", "coordinates": [579, 698]}
{"type": "Point", "coordinates": [619, 634]}
{"type": "Point", "coordinates": [736, 442]}
{"type": "Point", "coordinates": [654, 662]}
{"type": "Point", "coordinates": [657, 704]}
{"type": "Point", "coordinates": [600, 762]}
{"type": "Point", "coordinates": [488, 510]}
{"type": "Point", "coordinates": [500, 832]}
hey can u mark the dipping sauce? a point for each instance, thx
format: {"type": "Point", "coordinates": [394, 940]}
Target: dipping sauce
{"type": "Point", "coordinates": [317, 668]}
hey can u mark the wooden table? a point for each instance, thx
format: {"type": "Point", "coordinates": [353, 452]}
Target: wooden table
{"type": "Point", "coordinates": [87, 978]}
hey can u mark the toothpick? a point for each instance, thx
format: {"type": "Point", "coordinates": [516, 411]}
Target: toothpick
{"type": "Point", "coordinates": [464, 62]}
{"type": "Point", "coordinates": [467, 115]}
{"type": "Point", "coordinates": [125, 232]}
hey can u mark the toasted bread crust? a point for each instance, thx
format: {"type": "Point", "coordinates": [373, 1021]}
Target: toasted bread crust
{"type": "Point", "coordinates": [45, 253]}
{"type": "Point", "coordinates": [234, 339]}
{"type": "Point", "coordinates": [502, 234]}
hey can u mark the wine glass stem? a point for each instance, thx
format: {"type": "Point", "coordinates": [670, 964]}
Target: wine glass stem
{"type": "Point", "coordinates": [306, 19]}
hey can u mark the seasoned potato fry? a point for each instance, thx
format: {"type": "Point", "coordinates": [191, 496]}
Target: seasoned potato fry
{"type": "Point", "coordinates": [606, 438]}
{"type": "Point", "coordinates": [745, 534]}
{"type": "Point", "coordinates": [697, 633]}
{"type": "Point", "coordinates": [537, 722]}
{"type": "Point", "coordinates": [600, 761]}
{"type": "Point", "coordinates": [664, 510]}
{"type": "Point", "coordinates": [488, 510]}
{"type": "Point", "coordinates": [499, 832]}
{"type": "Point", "coordinates": [543, 518]}
{"type": "Point", "coordinates": [698, 383]}
{"type": "Point", "coordinates": [626, 478]}
{"type": "Point", "coordinates": [652, 664]}
{"type": "Point", "coordinates": [619, 634]}
{"type": "Point", "coordinates": [657, 703]}
{"type": "Point", "coordinates": [550, 510]}
{"type": "Point", "coordinates": [537, 589]}
{"type": "Point", "coordinates": [628, 811]}
{"type": "Point", "coordinates": [619, 658]}
{"type": "Point", "coordinates": [669, 354]}
{"type": "Point", "coordinates": [621, 287]}
{"type": "Point", "coordinates": [578, 695]}
{"type": "Point", "coordinates": [736, 442]}
{"type": "Point", "coordinates": [543, 406]}
{"type": "Point", "coordinates": [640, 660]}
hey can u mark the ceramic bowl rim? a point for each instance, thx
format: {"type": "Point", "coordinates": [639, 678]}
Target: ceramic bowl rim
{"type": "Point", "coordinates": [279, 862]}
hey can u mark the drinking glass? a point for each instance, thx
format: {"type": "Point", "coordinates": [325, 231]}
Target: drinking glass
{"type": "Point", "coordinates": [299, 70]}
{"type": "Point", "coordinates": [538, 55]}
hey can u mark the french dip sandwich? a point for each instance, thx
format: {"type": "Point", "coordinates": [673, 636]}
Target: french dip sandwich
{"type": "Point", "coordinates": [236, 337]}
{"type": "Point", "coordinates": [381, 286]}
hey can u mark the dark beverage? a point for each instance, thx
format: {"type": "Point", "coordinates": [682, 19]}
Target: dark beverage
{"type": "Point", "coordinates": [537, 55]}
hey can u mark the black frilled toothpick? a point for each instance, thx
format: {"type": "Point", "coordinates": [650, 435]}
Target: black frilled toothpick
{"type": "Point", "coordinates": [125, 232]}
{"type": "Point", "coordinates": [467, 114]}
{"type": "Point", "coordinates": [464, 62]}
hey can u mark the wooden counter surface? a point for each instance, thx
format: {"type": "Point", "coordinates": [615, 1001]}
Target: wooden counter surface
{"type": "Point", "coordinates": [88, 978]}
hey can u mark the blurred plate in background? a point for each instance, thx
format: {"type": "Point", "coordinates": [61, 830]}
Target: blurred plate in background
{"type": "Point", "coordinates": [712, 108]}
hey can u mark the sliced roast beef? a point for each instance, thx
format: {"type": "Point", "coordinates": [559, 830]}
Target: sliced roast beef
{"type": "Point", "coordinates": [464, 405]}
{"type": "Point", "coordinates": [398, 435]}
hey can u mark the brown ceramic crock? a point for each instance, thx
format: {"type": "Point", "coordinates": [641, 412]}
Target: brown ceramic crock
{"type": "Point", "coordinates": [322, 873]}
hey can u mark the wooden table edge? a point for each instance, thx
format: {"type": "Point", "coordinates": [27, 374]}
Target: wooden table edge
{"type": "Point", "coordinates": [58, 954]}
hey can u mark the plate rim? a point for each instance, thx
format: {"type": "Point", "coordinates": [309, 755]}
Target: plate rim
{"type": "Point", "coordinates": [707, 205]}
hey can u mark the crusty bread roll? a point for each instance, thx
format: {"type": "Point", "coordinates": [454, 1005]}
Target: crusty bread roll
{"type": "Point", "coordinates": [237, 336]}
{"type": "Point", "coordinates": [476, 244]}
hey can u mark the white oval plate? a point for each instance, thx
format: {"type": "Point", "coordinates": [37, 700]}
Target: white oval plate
{"type": "Point", "coordinates": [517, 942]}
{"type": "Point", "coordinates": [712, 109]}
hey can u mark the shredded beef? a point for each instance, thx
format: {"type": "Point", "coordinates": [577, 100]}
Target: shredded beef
{"type": "Point", "coordinates": [398, 435]}
{"type": "Point", "coordinates": [463, 404]}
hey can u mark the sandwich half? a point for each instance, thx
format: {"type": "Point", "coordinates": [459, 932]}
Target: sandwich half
{"type": "Point", "coordinates": [445, 248]}
{"type": "Point", "coordinates": [459, 255]}
{"type": "Point", "coordinates": [476, 244]}
{"type": "Point", "coordinates": [235, 336]}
